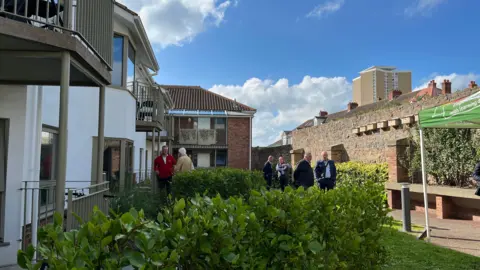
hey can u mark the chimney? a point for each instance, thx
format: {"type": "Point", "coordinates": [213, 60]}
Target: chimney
{"type": "Point", "coordinates": [472, 84]}
{"type": "Point", "coordinates": [432, 84]}
{"type": "Point", "coordinates": [323, 113]}
{"type": "Point", "coordinates": [352, 106]}
{"type": "Point", "coordinates": [446, 87]}
{"type": "Point", "coordinates": [394, 94]}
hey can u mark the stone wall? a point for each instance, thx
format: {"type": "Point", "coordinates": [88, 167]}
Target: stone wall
{"type": "Point", "coordinates": [260, 155]}
{"type": "Point", "coordinates": [337, 138]}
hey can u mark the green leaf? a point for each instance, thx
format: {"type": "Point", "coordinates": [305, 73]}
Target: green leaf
{"type": "Point", "coordinates": [135, 258]}
{"type": "Point", "coordinates": [315, 247]}
{"type": "Point", "coordinates": [160, 217]}
{"type": "Point", "coordinates": [22, 259]}
{"type": "Point", "coordinates": [106, 241]}
{"type": "Point", "coordinates": [134, 213]}
{"type": "Point", "coordinates": [57, 219]}
{"type": "Point", "coordinates": [179, 206]}
{"type": "Point", "coordinates": [232, 258]}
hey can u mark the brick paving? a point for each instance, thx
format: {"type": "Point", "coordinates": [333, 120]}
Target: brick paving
{"type": "Point", "coordinates": [460, 235]}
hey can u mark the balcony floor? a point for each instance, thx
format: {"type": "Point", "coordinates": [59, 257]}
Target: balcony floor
{"type": "Point", "coordinates": [29, 56]}
{"type": "Point", "coordinates": [148, 126]}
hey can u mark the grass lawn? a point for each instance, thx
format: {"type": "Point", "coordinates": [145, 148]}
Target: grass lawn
{"type": "Point", "coordinates": [406, 252]}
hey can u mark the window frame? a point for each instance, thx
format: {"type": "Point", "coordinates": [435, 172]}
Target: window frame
{"type": "Point", "coordinates": [123, 71]}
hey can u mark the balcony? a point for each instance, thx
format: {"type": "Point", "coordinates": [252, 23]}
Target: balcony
{"type": "Point", "coordinates": [150, 107]}
{"type": "Point", "coordinates": [198, 136]}
{"type": "Point", "coordinates": [35, 33]}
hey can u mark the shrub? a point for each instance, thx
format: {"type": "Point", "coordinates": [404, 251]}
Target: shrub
{"type": "Point", "coordinates": [295, 229]}
{"type": "Point", "coordinates": [224, 181]}
{"type": "Point", "coordinates": [141, 198]}
{"type": "Point", "coordinates": [360, 172]}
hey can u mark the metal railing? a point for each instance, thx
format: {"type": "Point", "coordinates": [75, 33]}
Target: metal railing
{"type": "Point", "coordinates": [82, 205]}
{"type": "Point", "coordinates": [39, 204]}
{"type": "Point", "coordinates": [91, 21]}
{"type": "Point", "coordinates": [150, 103]}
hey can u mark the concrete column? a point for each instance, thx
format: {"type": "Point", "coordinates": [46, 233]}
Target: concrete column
{"type": "Point", "coordinates": [62, 134]}
{"type": "Point", "coordinates": [158, 144]}
{"type": "Point", "coordinates": [140, 177]}
{"type": "Point", "coordinates": [101, 133]}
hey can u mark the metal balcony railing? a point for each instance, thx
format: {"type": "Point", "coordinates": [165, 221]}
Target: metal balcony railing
{"type": "Point", "coordinates": [91, 21]}
{"type": "Point", "coordinates": [39, 204]}
{"type": "Point", "coordinates": [150, 103]}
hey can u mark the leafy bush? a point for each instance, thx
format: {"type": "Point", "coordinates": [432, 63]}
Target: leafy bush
{"type": "Point", "coordinates": [140, 198]}
{"type": "Point", "coordinates": [224, 181]}
{"type": "Point", "coordinates": [295, 229]}
{"type": "Point", "coordinates": [360, 172]}
{"type": "Point", "coordinates": [444, 147]}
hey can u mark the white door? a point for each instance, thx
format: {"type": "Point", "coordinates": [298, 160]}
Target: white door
{"type": "Point", "coordinates": [203, 160]}
{"type": "Point", "coordinates": [203, 123]}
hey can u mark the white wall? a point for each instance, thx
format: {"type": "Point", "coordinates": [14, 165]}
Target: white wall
{"type": "Point", "coordinates": [120, 109]}
{"type": "Point", "coordinates": [21, 163]}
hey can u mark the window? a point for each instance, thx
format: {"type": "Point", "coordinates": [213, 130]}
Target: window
{"type": "Point", "coordinates": [221, 160]}
{"type": "Point", "coordinates": [220, 123]}
{"type": "Point", "coordinates": [48, 156]}
{"type": "Point", "coordinates": [117, 72]}
{"type": "Point", "coordinates": [130, 64]}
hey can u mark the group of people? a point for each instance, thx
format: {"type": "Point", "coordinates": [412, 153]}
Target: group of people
{"type": "Point", "coordinates": [324, 172]}
{"type": "Point", "coordinates": [166, 166]}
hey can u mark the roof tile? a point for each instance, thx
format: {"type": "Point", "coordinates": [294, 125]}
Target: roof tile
{"type": "Point", "coordinates": [197, 98]}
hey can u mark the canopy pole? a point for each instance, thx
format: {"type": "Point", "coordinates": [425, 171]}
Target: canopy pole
{"type": "Point", "coordinates": [424, 179]}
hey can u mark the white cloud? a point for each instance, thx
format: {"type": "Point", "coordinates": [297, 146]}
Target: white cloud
{"type": "Point", "coordinates": [326, 8]}
{"type": "Point", "coordinates": [423, 7]}
{"type": "Point", "coordinates": [281, 106]}
{"type": "Point", "coordinates": [459, 81]}
{"type": "Point", "coordinates": [176, 22]}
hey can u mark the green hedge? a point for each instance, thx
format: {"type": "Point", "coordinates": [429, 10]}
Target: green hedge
{"type": "Point", "coordinates": [359, 172]}
{"type": "Point", "coordinates": [297, 229]}
{"type": "Point", "coordinates": [224, 181]}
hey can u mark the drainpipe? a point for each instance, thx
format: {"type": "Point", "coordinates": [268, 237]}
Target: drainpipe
{"type": "Point", "coordinates": [101, 133]}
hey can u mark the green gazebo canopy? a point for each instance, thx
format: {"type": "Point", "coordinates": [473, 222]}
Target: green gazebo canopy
{"type": "Point", "coordinates": [460, 113]}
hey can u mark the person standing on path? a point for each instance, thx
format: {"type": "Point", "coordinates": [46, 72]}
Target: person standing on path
{"type": "Point", "coordinates": [282, 169]}
{"type": "Point", "coordinates": [268, 171]}
{"type": "Point", "coordinates": [184, 163]}
{"type": "Point", "coordinates": [326, 172]}
{"type": "Point", "coordinates": [164, 169]}
{"type": "Point", "coordinates": [303, 174]}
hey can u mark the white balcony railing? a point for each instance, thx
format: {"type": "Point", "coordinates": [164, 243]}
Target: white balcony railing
{"type": "Point", "coordinates": [198, 136]}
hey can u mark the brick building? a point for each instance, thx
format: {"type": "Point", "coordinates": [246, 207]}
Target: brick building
{"type": "Point", "coordinates": [215, 130]}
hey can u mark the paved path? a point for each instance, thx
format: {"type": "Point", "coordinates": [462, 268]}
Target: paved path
{"type": "Point", "coordinates": [460, 235]}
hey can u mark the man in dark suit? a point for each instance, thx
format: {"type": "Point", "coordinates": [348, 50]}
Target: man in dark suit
{"type": "Point", "coordinates": [303, 174]}
{"type": "Point", "coordinates": [268, 171]}
{"type": "Point", "coordinates": [326, 172]}
{"type": "Point", "coordinates": [476, 176]}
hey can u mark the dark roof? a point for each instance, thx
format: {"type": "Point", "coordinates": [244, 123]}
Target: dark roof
{"type": "Point", "coordinates": [287, 132]}
{"type": "Point", "coordinates": [305, 124]}
{"type": "Point", "coordinates": [197, 98]}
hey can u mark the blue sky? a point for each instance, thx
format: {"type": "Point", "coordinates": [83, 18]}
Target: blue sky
{"type": "Point", "coordinates": [260, 51]}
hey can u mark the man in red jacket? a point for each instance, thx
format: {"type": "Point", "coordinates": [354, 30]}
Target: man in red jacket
{"type": "Point", "coordinates": [164, 166]}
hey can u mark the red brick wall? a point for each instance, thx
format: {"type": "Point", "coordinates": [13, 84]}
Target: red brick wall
{"type": "Point", "coordinates": [238, 140]}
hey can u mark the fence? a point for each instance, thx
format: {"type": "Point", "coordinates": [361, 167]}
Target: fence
{"type": "Point", "coordinates": [39, 204]}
